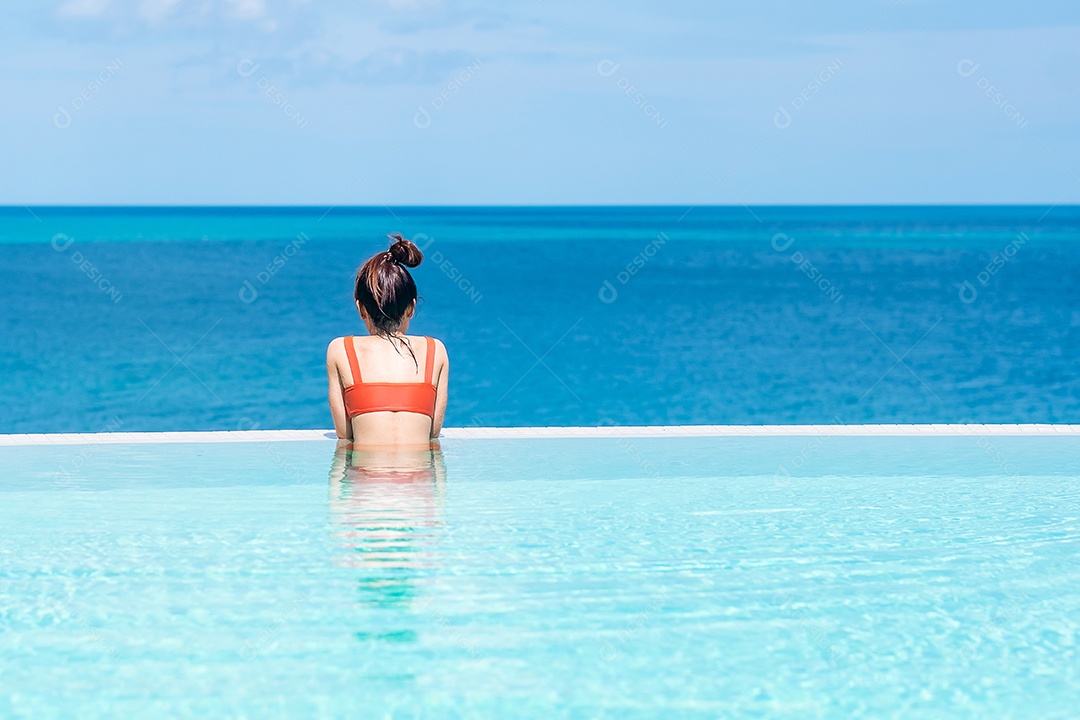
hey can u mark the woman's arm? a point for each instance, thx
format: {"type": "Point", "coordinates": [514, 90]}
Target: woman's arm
{"type": "Point", "coordinates": [342, 426]}
{"type": "Point", "coordinates": [441, 360]}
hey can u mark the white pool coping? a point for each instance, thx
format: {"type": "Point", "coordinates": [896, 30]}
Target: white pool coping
{"type": "Point", "coordinates": [556, 432]}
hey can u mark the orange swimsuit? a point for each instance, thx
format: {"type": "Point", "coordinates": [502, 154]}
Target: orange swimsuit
{"type": "Point", "coordinates": [417, 397]}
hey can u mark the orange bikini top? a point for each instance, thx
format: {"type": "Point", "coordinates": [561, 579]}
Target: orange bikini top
{"type": "Point", "coordinates": [417, 397]}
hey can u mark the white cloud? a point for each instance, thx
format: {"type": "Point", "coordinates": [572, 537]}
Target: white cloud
{"type": "Point", "coordinates": [248, 9]}
{"type": "Point", "coordinates": [154, 11]}
{"type": "Point", "coordinates": [411, 4]}
{"type": "Point", "coordinates": [82, 8]}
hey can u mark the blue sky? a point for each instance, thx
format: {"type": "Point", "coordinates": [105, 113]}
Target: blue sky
{"type": "Point", "coordinates": [544, 102]}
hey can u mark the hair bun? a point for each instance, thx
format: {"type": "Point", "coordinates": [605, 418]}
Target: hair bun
{"type": "Point", "coordinates": [404, 251]}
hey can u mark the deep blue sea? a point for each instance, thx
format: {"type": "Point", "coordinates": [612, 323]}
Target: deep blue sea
{"type": "Point", "coordinates": [218, 318]}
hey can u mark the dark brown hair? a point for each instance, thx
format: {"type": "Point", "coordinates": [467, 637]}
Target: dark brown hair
{"type": "Point", "coordinates": [384, 286]}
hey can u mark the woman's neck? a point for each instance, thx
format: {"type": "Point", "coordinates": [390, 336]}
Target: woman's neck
{"type": "Point", "coordinates": [375, 332]}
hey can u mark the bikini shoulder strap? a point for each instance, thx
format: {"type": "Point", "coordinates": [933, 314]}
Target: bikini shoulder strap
{"type": "Point", "coordinates": [430, 362]}
{"type": "Point", "coordinates": [354, 365]}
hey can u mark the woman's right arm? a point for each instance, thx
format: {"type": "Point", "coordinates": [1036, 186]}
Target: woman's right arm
{"type": "Point", "coordinates": [335, 391]}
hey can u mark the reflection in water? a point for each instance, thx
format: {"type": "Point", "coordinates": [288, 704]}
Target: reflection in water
{"type": "Point", "coordinates": [385, 507]}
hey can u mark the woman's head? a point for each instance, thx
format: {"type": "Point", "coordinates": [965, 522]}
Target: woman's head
{"type": "Point", "coordinates": [385, 291]}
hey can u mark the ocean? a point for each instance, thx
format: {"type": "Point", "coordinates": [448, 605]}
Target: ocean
{"type": "Point", "coordinates": [218, 318]}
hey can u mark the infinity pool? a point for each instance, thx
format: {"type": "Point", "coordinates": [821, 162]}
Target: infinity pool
{"type": "Point", "coordinates": [636, 577]}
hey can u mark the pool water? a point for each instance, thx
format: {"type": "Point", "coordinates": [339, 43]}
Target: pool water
{"type": "Point", "coordinates": [646, 577]}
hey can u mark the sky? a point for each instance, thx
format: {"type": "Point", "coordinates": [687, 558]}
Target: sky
{"type": "Point", "coordinates": [423, 102]}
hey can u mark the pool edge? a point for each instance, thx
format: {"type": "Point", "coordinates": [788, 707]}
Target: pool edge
{"type": "Point", "coordinates": [884, 430]}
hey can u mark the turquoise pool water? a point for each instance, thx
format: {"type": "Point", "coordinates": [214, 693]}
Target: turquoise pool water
{"type": "Point", "coordinates": [689, 577]}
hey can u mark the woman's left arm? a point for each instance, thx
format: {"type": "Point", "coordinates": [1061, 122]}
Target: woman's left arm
{"type": "Point", "coordinates": [440, 389]}
{"type": "Point", "coordinates": [335, 392]}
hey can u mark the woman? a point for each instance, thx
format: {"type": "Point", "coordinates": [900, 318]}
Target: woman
{"type": "Point", "coordinates": [388, 389]}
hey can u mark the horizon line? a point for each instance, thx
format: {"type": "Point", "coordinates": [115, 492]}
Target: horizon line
{"type": "Point", "coordinates": [734, 206]}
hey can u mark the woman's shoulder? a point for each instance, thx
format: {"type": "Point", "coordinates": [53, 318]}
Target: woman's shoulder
{"type": "Point", "coordinates": [418, 341]}
{"type": "Point", "coordinates": [336, 348]}
{"type": "Point", "coordinates": [423, 338]}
